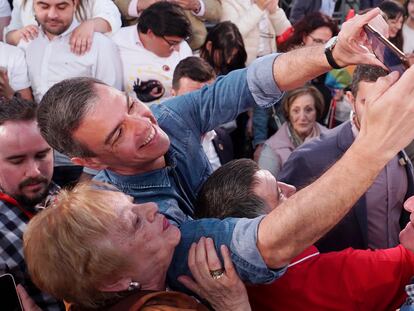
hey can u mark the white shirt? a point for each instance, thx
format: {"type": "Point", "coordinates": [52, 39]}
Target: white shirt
{"type": "Point", "coordinates": [52, 61]}
{"type": "Point", "coordinates": [105, 9]}
{"type": "Point", "coordinates": [408, 35]}
{"type": "Point", "coordinates": [12, 59]}
{"type": "Point", "coordinates": [141, 63]}
{"type": "Point", "coordinates": [210, 151]}
{"type": "Point", "coordinates": [327, 7]}
{"type": "Point", "coordinates": [4, 8]}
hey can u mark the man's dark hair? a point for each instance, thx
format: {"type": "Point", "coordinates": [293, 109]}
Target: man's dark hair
{"type": "Point", "coordinates": [61, 111]}
{"type": "Point", "coordinates": [17, 109]}
{"type": "Point", "coordinates": [228, 192]}
{"type": "Point", "coordinates": [164, 19]}
{"type": "Point", "coordinates": [194, 68]}
{"type": "Point", "coordinates": [366, 73]}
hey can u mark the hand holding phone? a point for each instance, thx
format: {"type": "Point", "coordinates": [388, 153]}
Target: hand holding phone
{"type": "Point", "coordinates": [385, 51]}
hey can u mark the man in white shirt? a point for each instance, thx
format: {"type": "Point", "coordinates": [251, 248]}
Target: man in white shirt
{"type": "Point", "coordinates": [13, 73]}
{"type": "Point", "coordinates": [50, 60]}
{"type": "Point", "coordinates": [151, 50]}
{"type": "Point", "coordinates": [5, 14]}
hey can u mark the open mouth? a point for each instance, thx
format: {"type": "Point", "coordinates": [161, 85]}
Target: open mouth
{"type": "Point", "coordinates": [150, 137]}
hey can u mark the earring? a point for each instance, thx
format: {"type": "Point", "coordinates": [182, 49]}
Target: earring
{"type": "Point", "coordinates": [133, 286]}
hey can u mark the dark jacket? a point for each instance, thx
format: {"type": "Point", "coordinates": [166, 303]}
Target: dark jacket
{"type": "Point", "coordinates": [300, 8]}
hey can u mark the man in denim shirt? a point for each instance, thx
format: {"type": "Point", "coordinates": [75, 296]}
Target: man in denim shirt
{"type": "Point", "coordinates": [157, 156]}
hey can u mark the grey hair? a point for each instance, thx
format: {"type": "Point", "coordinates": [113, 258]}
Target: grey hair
{"type": "Point", "coordinates": [61, 111]}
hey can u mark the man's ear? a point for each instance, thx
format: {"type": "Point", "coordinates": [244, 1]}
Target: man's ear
{"type": "Point", "coordinates": [173, 93]}
{"type": "Point", "coordinates": [351, 99]}
{"type": "Point", "coordinates": [116, 286]}
{"type": "Point", "coordinates": [90, 162]}
{"type": "Point", "coordinates": [209, 46]}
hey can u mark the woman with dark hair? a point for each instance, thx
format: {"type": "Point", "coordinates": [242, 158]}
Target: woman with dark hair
{"type": "Point", "coordinates": [315, 28]}
{"type": "Point", "coordinates": [224, 48]}
{"type": "Point", "coordinates": [302, 107]}
{"type": "Point", "coordinates": [394, 13]}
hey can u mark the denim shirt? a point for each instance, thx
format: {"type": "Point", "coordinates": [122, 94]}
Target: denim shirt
{"type": "Point", "coordinates": [185, 119]}
{"type": "Point", "coordinates": [241, 243]}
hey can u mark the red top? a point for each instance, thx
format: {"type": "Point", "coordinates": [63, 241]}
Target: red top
{"type": "Point", "coordinates": [346, 280]}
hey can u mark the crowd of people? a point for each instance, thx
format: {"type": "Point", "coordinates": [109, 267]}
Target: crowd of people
{"type": "Point", "coordinates": [205, 155]}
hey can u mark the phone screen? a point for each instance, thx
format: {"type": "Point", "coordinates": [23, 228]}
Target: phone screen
{"type": "Point", "coordinates": [385, 51]}
{"type": "Point", "coordinates": [10, 300]}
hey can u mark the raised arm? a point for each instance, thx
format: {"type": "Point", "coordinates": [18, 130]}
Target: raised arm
{"type": "Point", "coordinates": [295, 68]}
{"type": "Point", "coordinates": [308, 215]}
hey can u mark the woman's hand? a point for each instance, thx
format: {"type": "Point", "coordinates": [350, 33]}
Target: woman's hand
{"type": "Point", "coordinates": [81, 37]}
{"type": "Point", "coordinates": [30, 32]}
{"type": "Point", "coordinates": [27, 302]}
{"type": "Point", "coordinates": [225, 291]}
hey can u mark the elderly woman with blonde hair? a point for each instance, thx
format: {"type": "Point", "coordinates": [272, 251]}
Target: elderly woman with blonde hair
{"type": "Point", "coordinates": [96, 249]}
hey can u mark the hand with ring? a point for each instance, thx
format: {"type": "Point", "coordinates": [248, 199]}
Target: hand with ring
{"type": "Point", "coordinates": [220, 286]}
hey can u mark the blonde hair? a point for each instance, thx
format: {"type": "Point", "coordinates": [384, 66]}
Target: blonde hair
{"type": "Point", "coordinates": [68, 248]}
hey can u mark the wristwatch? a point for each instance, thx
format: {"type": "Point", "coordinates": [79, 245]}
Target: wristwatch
{"type": "Point", "coordinates": [329, 46]}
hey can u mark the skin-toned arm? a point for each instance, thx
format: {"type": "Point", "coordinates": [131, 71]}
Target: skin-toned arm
{"type": "Point", "coordinates": [311, 61]}
{"type": "Point", "coordinates": [313, 211]}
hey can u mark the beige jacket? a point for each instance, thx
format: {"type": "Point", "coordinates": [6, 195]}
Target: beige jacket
{"type": "Point", "coordinates": [247, 17]}
{"type": "Point", "coordinates": [212, 14]}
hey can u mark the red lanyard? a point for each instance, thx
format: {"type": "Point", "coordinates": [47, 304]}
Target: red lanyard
{"type": "Point", "coordinates": [9, 199]}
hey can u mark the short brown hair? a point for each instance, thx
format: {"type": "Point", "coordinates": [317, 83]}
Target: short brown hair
{"type": "Point", "coordinates": [291, 96]}
{"type": "Point", "coordinates": [68, 249]}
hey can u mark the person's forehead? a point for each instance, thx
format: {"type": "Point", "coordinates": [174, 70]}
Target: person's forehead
{"type": "Point", "coordinates": [53, 2]}
{"type": "Point", "coordinates": [21, 137]}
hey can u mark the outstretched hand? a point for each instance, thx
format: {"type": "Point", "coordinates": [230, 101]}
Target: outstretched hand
{"type": "Point", "coordinates": [225, 292]}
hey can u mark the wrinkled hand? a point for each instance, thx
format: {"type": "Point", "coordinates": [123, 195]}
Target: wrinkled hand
{"type": "Point", "coordinates": [27, 302]}
{"type": "Point", "coordinates": [29, 32]}
{"type": "Point", "coordinates": [192, 5]}
{"type": "Point", "coordinates": [351, 46]}
{"type": "Point", "coordinates": [81, 38]}
{"type": "Point", "coordinates": [5, 88]}
{"type": "Point", "coordinates": [226, 293]}
{"type": "Point", "coordinates": [143, 4]}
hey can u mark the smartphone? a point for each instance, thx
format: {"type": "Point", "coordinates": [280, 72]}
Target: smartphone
{"type": "Point", "coordinates": [385, 51]}
{"type": "Point", "coordinates": [10, 300]}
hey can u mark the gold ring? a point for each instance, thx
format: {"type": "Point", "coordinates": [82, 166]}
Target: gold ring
{"type": "Point", "coordinates": [217, 274]}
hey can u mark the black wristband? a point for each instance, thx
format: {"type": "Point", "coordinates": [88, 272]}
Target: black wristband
{"type": "Point", "coordinates": [328, 53]}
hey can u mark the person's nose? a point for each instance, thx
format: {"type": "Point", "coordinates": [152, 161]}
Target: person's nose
{"type": "Point", "coordinates": [32, 169]}
{"type": "Point", "coordinates": [52, 13]}
{"type": "Point", "coordinates": [150, 209]}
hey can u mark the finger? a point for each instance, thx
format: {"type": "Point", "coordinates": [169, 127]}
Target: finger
{"type": "Point", "coordinates": [212, 258]}
{"type": "Point", "coordinates": [88, 44]}
{"type": "Point", "coordinates": [409, 204]}
{"type": "Point", "coordinates": [381, 86]}
{"type": "Point", "coordinates": [192, 264]}
{"type": "Point", "coordinates": [78, 46]}
{"type": "Point", "coordinates": [367, 17]}
{"type": "Point", "coordinates": [405, 84]}
{"type": "Point", "coordinates": [228, 263]}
